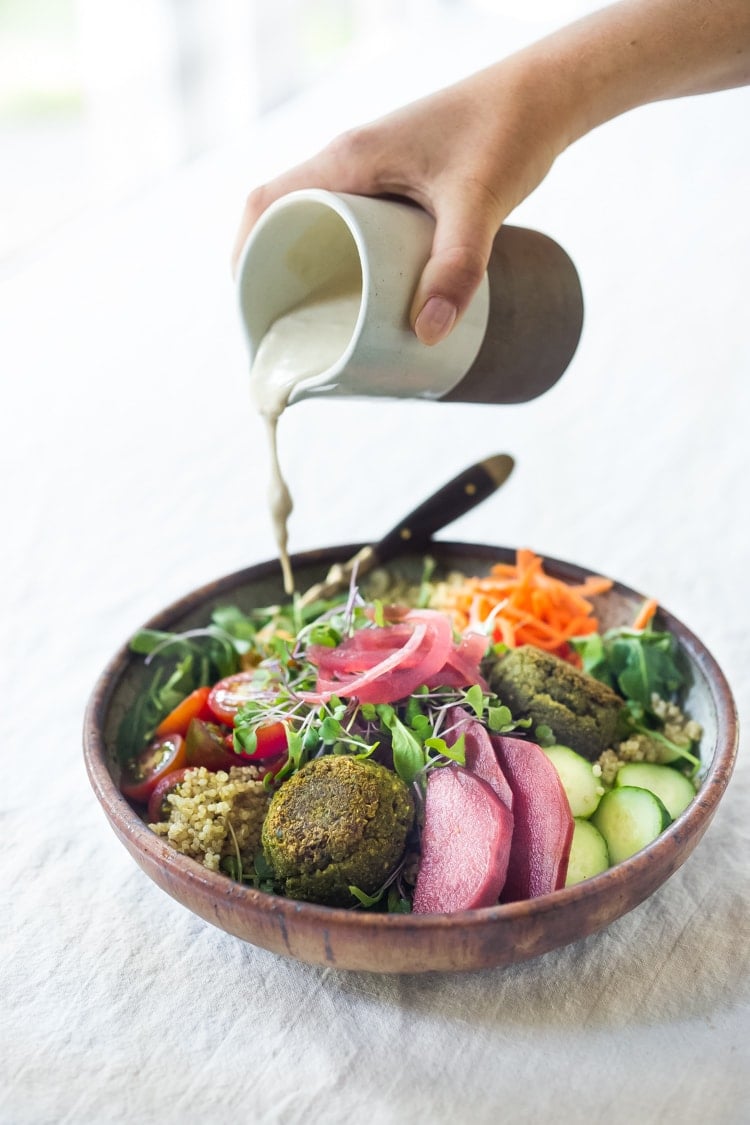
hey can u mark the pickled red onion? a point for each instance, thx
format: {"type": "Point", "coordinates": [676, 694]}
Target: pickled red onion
{"type": "Point", "coordinates": [382, 664]}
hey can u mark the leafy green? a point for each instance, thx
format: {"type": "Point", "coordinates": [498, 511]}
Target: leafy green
{"type": "Point", "coordinates": [365, 899]}
{"type": "Point", "coordinates": [237, 625]}
{"type": "Point", "coordinates": [392, 891]}
{"type": "Point", "coordinates": [414, 746]}
{"type": "Point", "coordinates": [636, 719]}
{"type": "Point", "coordinates": [544, 735]}
{"type": "Point", "coordinates": [182, 662]}
{"type": "Point", "coordinates": [475, 699]}
{"type": "Point", "coordinates": [260, 875]}
{"type": "Point", "coordinates": [456, 752]}
{"type": "Point", "coordinates": [397, 903]}
{"type": "Point", "coordinates": [325, 633]}
{"type": "Point", "coordinates": [500, 720]}
{"type": "Point", "coordinates": [636, 664]}
{"type": "Point", "coordinates": [297, 754]}
{"type": "Point", "coordinates": [408, 751]}
{"type": "Point", "coordinates": [489, 709]}
{"type": "Point", "coordinates": [425, 586]}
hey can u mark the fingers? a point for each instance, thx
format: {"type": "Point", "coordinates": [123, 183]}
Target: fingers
{"type": "Point", "coordinates": [349, 164]}
{"type": "Point", "coordinates": [262, 197]}
{"type": "Point", "coordinates": [373, 160]}
{"type": "Point", "coordinates": [465, 230]}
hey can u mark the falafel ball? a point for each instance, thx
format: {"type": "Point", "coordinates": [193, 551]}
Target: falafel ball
{"type": "Point", "coordinates": [581, 711]}
{"type": "Point", "coordinates": [338, 822]}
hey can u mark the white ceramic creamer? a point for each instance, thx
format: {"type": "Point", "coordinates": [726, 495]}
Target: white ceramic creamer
{"type": "Point", "coordinates": [326, 282]}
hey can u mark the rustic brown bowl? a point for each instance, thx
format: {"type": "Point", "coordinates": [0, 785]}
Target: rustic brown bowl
{"type": "Point", "coordinates": [350, 939]}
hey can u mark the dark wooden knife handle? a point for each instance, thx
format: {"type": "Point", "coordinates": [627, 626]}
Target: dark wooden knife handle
{"type": "Point", "coordinates": [454, 499]}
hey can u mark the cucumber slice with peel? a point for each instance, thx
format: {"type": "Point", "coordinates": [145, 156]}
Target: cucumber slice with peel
{"type": "Point", "coordinates": [672, 788]}
{"type": "Point", "coordinates": [629, 819]}
{"type": "Point", "coordinates": [582, 787]}
{"type": "Point", "coordinates": [588, 852]}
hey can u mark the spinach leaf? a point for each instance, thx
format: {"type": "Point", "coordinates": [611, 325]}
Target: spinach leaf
{"type": "Point", "coordinates": [636, 664]}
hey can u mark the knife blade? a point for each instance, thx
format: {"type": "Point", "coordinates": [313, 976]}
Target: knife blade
{"type": "Point", "coordinates": [454, 499]}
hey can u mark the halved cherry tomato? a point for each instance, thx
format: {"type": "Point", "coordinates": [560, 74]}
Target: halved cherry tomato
{"type": "Point", "coordinates": [272, 765]}
{"type": "Point", "coordinates": [158, 809]}
{"type": "Point", "coordinates": [271, 742]}
{"type": "Point", "coordinates": [141, 773]}
{"type": "Point", "coordinates": [193, 706]}
{"type": "Point", "coordinates": [206, 745]}
{"type": "Point", "coordinates": [231, 693]}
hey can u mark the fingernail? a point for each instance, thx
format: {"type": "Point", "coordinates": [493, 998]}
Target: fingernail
{"type": "Point", "coordinates": [435, 320]}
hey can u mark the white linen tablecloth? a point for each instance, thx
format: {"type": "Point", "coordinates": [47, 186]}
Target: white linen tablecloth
{"type": "Point", "coordinates": [134, 470]}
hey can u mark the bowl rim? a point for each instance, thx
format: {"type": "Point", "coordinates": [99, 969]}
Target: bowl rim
{"type": "Point", "coordinates": [127, 823]}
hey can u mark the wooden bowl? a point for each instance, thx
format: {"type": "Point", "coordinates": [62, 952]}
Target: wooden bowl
{"type": "Point", "coordinates": [401, 943]}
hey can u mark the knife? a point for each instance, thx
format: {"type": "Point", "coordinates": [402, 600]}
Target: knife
{"type": "Point", "coordinates": [454, 499]}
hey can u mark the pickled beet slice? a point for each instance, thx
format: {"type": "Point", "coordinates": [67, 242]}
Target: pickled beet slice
{"type": "Point", "coordinates": [543, 825]}
{"type": "Point", "coordinates": [481, 758]}
{"type": "Point", "coordinates": [466, 844]}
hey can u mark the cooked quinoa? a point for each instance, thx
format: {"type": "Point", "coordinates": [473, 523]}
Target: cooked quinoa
{"type": "Point", "coordinates": [213, 815]}
{"type": "Point", "coordinates": [640, 748]}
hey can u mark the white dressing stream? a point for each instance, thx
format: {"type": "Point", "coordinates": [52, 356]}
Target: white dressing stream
{"type": "Point", "coordinates": [302, 343]}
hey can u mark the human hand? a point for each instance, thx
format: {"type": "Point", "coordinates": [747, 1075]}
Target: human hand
{"type": "Point", "coordinates": [457, 156]}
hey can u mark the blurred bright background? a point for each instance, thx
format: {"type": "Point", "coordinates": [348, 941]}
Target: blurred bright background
{"type": "Point", "coordinates": [130, 134]}
{"type": "Point", "coordinates": [101, 98]}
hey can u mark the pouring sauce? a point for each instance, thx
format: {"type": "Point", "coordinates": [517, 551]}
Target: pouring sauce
{"type": "Point", "coordinates": [301, 344]}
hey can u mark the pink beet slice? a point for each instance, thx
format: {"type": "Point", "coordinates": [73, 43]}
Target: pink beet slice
{"type": "Point", "coordinates": [543, 825]}
{"type": "Point", "coordinates": [481, 758]}
{"type": "Point", "coordinates": [466, 844]}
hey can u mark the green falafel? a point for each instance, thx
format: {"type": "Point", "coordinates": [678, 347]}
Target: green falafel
{"type": "Point", "coordinates": [581, 712]}
{"type": "Point", "coordinates": [338, 822]}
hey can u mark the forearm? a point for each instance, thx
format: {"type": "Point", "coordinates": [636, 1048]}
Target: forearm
{"type": "Point", "coordinates": [471, 153]}
{"type": "Point", "coordinates": [636, 52]}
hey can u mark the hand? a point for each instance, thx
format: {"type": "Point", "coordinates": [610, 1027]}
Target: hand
{"type": "Point", "coordinates": [453, 153]}
{"type": "Point", "coordinates": [470, 153]}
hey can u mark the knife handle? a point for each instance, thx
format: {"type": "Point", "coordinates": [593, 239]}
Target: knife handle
{"type": "Point", "coordinates": [454, 499]}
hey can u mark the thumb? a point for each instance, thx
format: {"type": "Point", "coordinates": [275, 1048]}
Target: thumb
{"type": "Point", "coordinates": [461, 250]}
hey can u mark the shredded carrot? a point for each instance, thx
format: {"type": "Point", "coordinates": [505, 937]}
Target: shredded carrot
{"type": "Point", "coordinates": [645, 613]}
{"type": "Point", "coordinates": [525, 605]}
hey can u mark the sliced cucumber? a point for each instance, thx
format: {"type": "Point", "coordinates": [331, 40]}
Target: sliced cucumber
{"type": "Point", "coordinates": [588, 852]}
{"type": "Point", "coordinates": [582, 787]}
{"type": "Point", "coordinates": [629, 819]}
{"type": "Point", "coordinates": [673, 789]}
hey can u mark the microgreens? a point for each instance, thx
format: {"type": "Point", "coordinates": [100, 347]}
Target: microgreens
{"type": "Point", "coordinates": [488, 708]}
{"type": "Point", "coordinates": [392, 890]}
{"type": "Point", "coordinates": [544, 735]}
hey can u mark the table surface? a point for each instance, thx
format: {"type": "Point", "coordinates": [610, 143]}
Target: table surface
{"type": "Point", "coordinates": [135, 470]}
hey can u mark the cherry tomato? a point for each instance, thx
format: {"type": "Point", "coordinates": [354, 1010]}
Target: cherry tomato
{"type": "Point", "coordinates": [231, 693]}
{"type": "Point", "coordinates": [271, 742]}
{"type": "Point", "coordinates": [206, 745]}
{"type": "Point", "coordinates": [158, 809]}
{"type": "Point", "coordinates": [194, 706]}
{"type": "Point", "coordinates": [272, 765]}
{"type": "Point", "coordinates": [141, 773]}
